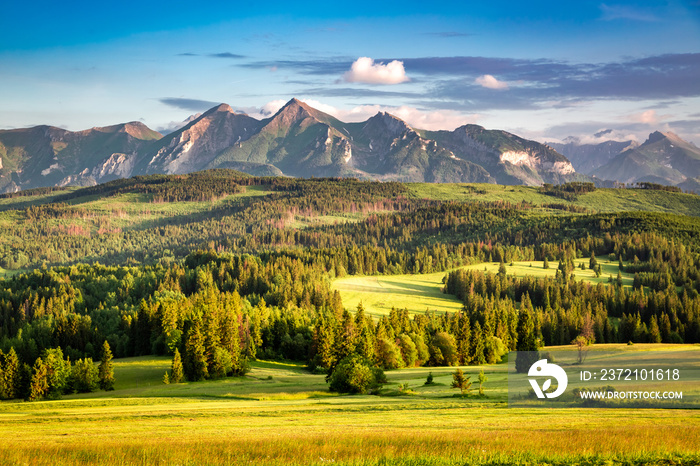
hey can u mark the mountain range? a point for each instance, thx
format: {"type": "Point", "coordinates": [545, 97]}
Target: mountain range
{"type": "Point", "coordinates": [297, 141]}
{"type": "Point", "coordinates": [664, 158]}
{"type": "Point", "coordinates": [302, 141]}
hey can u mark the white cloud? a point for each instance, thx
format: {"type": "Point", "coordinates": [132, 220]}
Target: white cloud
{"type": "Point", "coordinates": [648, 117]}
{"type": "Point", "coordinates": [265, 111]}
{"type": "Point", "coordinates": [175, 125]}
{"type": "Point", "coordinates": [365, 70]}
{"type": "Point", "coordinates": [489, 81]}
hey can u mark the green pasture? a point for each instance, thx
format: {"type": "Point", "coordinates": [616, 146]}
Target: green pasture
{"type": "Point", "coordinates": [421, 293]}
{"type": "Point", "coordinates": [418, 293]}
{"type": "Point", "coordinates": [600, 200]}
{"type": "Point", "coordinates": [536, 269]}
{"type": "Point", "coordinates": [280, 414]}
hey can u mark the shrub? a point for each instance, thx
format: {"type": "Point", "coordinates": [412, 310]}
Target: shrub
{"type": "Point", "coordinates": [84, 376]}
{"type": "Point", "coordinates": [354, 374]}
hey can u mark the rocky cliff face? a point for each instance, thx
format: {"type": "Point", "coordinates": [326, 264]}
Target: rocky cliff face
{"type": "Point", "coordinates": [194, 146]}
{"type": "Point", "coordinates": [588, 157]}
{"type": "Point", "coordinates": [509, 159]}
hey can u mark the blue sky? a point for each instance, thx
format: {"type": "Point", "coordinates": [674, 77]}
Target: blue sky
{"type": "Point", "coordinates": [541, 69]}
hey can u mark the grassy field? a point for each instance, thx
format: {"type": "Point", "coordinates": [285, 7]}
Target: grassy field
{"type": "Point", "coordinates": [601, 200]}
{"type": "Point", "coordinates": [378, 294]}
{"type": "Point", "coordinates": [281, 414]}
{"type": "Point", "coordinates": [422, 292]}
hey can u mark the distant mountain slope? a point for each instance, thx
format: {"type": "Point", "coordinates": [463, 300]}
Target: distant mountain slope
{"type": "Point", "coordinates": [297, 141]}
{"type": "Point", "coordinates": [587, 157]}
{"type": "Point", "coordinates": [663, 158]}
{"type": "Point", "coordinates": [195, 145]}
{"type": "Point", "coordinates": [48, 156]}
{"type": "Point", "coordinates": [510, 159]}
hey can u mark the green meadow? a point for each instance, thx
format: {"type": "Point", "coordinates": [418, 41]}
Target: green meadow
{"type": "Point", "coordinates": [279, 413]}
{"type": "Point", "coordinates": [420, 293]}
{"type": "Point", "coordinates": [600, 200]}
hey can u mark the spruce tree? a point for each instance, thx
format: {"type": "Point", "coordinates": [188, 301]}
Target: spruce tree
{"type": "Point", "coordinates": [106, 369]}
{"type": "Point", "coordinates": [11, 375]}
{"type": "Point", "coordinates": [527, 342]}
{"type": "Point", "coordinates": [463, 339]}
{"type": "Point", "coordinates": [39, 387]}
{"type": "Point", "coordinates": [326, 343]}
{"type": "Point", "coordinates": [176, 370]}
{"type": "Point", "coordinates": [461, 382]}
{"type": "Point", "coordinates": [195, 363]}
{"type": "Point", "coordinates": [654, 331]}
{"type": "Point", "coordinates": [593, 262]}
{"type": "Point", "coordinates": [477, 346]}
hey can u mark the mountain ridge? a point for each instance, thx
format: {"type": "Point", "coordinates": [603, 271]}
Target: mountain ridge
{"type": "Point", "coordinates": [298, 140]}
{"type": "Point", "coordinates": [663, 158]}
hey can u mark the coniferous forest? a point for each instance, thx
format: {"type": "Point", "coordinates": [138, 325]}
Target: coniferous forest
{"type": "Point", "coordinates": [218, 268]}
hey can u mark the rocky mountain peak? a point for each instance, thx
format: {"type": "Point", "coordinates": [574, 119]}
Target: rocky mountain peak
{"type": "Point", "coordinates": [392, 124]}
{"type": "Point", "coordinates": [225, 108]}
{"type": "Point", "coordinates": [655, 137]}
{"type": "Point", "coordinates": [295, 111]}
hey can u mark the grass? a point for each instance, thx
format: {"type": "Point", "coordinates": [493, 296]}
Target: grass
{"type": "Point", "coordinates": [281, 414]}
{"type": "Point", "coordinates": [420, 293]}
{"type": "Point", "coordinates": [417, 293]}
{"type": "Point", "coordinates": [536, 269]}
{"type": "Point", "coordinates": [601, 200]}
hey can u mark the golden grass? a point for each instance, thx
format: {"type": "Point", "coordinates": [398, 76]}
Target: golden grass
{"type": "Point", "coordinates": [221, 432]}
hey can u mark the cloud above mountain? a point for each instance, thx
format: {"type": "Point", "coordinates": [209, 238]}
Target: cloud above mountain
{"type": "Point", "coordinates": [191, 105]}
{"type": "Point", "coordinates": [365, 70]}
{"type": "Point", "coordinates": [490, 82]}
{"type": "Point", "coordinates": [667, 76]}
{"type": "Point", "coordinates": [415, 117]}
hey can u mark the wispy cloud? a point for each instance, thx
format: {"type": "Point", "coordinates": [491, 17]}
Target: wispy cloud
{"type": "Point", "coordinates": [212, 55]}
{"type": "Point", "coordinates": [355, 92]}
{"type": "Point", "coordinates": [191, 105]}
{"type": "Point", "coordinates": [365, 70]}
{"type": "Point", "coordinates": [226, 55]}
{"type": "Point", "coordinates": [449, 34]}
{"type": "Point", "coordinates": [626, 12]}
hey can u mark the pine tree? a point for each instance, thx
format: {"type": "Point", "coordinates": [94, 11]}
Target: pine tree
{"type": "Point", "coordinates": [654, 331]}
{"type": "Point", "coordinates": [527, 342]}
{"type": "Point", "coordinates": [106, 369]}
{"type": "Point", "coordinates": [326, 343]}
{"type": "Point", "coordinates": [176, 370]}
{"type": "Point", "coordinates": [593, 262]}
{"type": "Point", "coordinates": [477, 346]}
{"type": "Point", "coordinates": [11, 375]}
{"type": "Point", "coordinates": [347, 336]}
{"type": "Point", "coordinates": [463, 339]}
{"type": "Point", "coordinates": [546, 263]}
{"type": "Point", "coordinates": [166, 378]}
{"type": "Point", "coordinates": [195, 363]}
{"type": "Point", "coordinates": [39, 387]}
{"type": "Point", "coordinates": [461, 382]}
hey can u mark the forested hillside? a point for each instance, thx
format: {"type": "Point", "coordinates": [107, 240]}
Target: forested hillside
{"type": "Point", "coordinates": [219, 268]}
